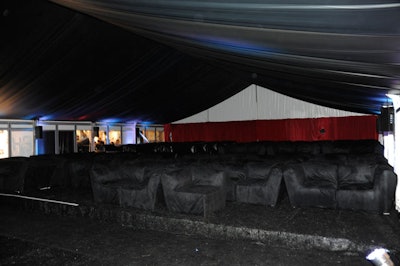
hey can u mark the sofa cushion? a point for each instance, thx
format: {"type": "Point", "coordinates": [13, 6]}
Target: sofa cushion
{"type": "Point", "coordinates": [252, 182]}
{"type": "Point", "coordinates": [125, 184]}
{"type": "Point", "coordinates": [198, 189]}
{"type": "Point", "coordinates": [203, 176]}
{"type": "Point", "coordinates": [320, 174]}
{"type": "Point", "coordinates": [357, 176]}
{"type": "Point", "coordinates": [259, 170]}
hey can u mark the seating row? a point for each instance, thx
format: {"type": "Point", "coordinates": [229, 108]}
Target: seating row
{"type": "Point", "coordinates": [202, 182]}
{"type": "Point", "coordinates": [190, 187]}
{"type": "Point", "coordinates": [262, 148]}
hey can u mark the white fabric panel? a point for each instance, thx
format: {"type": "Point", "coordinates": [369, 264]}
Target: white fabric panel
{"type": "Point", "coordinates": [258, 103]}
{"type": "Point", "coordinates": [273, 105]}
{"type": "Point", "coordinates": [201, 117]}
{"type": "Point", "coordinates": [240, 107]}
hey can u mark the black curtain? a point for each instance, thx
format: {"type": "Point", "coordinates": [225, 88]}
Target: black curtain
{"type": "Point", "coordinates": [66, 141]}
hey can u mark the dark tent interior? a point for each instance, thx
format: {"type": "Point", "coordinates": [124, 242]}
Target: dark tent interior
{"type": "Point", "coordinates": [161, 61]}
{"type": "Point", "coordinates": [80, 80]}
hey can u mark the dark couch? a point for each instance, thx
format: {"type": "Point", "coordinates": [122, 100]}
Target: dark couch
{"type": "Point", "coordinates": [354, 184]}
{"type": "Point", "coordinates": [194, 188]}
{"type": "Point", "coordinates": [261, 184]}
{"type": "Point", "coordinates": [127, 183]}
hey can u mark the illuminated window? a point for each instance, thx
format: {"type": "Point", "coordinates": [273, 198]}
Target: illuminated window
{"type": "Point", "coordinates": [151, 134]}
{"type": "Point", "coordinates": [21, 143]}
{"type": "Point", "coordinates": [115, 135]}
{"type": "Point", "coordinates": [128, 135]}
{"type": "Point", "coordinates": [102, 135]}
{"type": "Point", "coordinates": [83, 138]}
{"type": "Point", "coordinates": [4, 144]}
{"type": "Point", "coordinates": [160, 134]}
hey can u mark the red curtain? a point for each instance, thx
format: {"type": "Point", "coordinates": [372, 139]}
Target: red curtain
{"type": "Point", "coordinates": [308, 129]}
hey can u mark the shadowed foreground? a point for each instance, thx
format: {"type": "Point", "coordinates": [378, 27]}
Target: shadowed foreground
{"type": "Point", "coordinates": [42, 233]}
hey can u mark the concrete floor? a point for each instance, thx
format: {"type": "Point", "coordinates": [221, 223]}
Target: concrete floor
{"type": "Point", "coordinates": [44, 233]}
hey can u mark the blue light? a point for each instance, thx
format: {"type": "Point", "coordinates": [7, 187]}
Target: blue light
{"type": "Point", "coordinates": [235, 46]}
{"type": "Point", "coordinates": [382, 99]}
{"type": "Point", "coordinates": [132, 122]}
{"type": "Point", "coordinates": [46, 117]}
{"type": "Point", "coordinates": [40, 146]}
{"type": "Point", "coordinates": [110, 120]}
{"type": "Point", "coordinates": [40, 117]}
{"type": "Point", "coordinates": [146, 123]}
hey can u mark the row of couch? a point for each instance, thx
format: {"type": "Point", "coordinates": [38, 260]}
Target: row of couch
{"type": "Point", "coordinates": [201, 177]}
{"type": "Point", "coordinates": [260, 148]}
{"type": "Point", "coordinates": [189, 186]}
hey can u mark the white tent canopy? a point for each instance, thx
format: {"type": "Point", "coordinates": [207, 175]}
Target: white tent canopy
{"type": "Point", "coordinates": [258, 103]}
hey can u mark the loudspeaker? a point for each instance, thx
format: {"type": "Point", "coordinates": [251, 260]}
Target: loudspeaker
{"type": "Point", "coordinates": [95, 131]}
{"type": "Point", "coordinates": [38, 132]}
{"type": "Point", "coordinates": [386, 119]}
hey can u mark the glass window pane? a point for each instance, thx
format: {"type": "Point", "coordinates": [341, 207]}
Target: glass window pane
{"type": "Point", "coordinates": [128, 135]}
{"type": "Point", "coordinates": [160, 134]}
{"type": "Point", "coordinates": [115, 137]}
{"type": "Point", "coordinates": [22, 143]}
{"type": "Point", "coordinates": [83, 140]}
{"type": "Point", "coordinates": [4, 144]}
{"type": "Point", "coordinates": [102, 135]}
{"type": "Point", "coordinates": [150, 134]}
{"type": "Point", "coordinates": [140, 135]}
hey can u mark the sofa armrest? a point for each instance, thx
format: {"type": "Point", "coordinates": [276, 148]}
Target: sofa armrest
{"type": "Point", "coordinates": [379, 197]}
{"type": "Point", "coordinates": [275, 173]}
{"type": "Point", "coordinates": [100, 173]}
{"type": "Point", "coordinates": [219, 179]}
{"type": "Point", "coordinates": [176, 178]}
{"type": "Point", "coordinates": [154, 177]}
{"type": "Point", "coordinates": [275, 178]}
{"type": "Point", "coordinates": [294, 175]}
{"type": "Point", "coordinates": [385, 181]}
{"type": "Point", "coordinates": [384, 178]}
{"type": "Point", "coordinates": [208, 175]}
{"type": "Point", "coordinates": [301, 195]}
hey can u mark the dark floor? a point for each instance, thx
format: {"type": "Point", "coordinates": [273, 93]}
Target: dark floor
{"type": "Point", "coordinates": [42, 233]}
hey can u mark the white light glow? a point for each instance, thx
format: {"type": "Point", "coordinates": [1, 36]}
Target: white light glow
{"type": "Point", "coordinates": [380, 257]}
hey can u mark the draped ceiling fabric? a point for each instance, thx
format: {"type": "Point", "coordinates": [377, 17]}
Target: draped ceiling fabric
{"type": "Point", "coordinates": [163, 60]}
